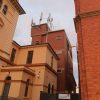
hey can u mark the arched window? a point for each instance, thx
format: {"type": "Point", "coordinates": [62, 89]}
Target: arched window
{"type": "Point", "coordinates": [5, 9]}
{"type": "Point", "coordinates": [49, 87]}
{"type": "Point", "coordinates": [26, 87]}
{"type": "Point", "coordinates": [1, 3]}
{"type": "Point", "coordinates": [52, 89]}
{"type": "Point", "coordinates": [6, 88]}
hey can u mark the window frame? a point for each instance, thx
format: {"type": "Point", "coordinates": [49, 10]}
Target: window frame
{"type": "Point", "coordinates": [29, 57]}
{"type": "Point", "coordinates": [13, 54]}
{"type": "Point", "coordinates": [60, 71]}
{"type": "Point", "coordinates": [26, 88]}
{"type": "Point", "coordinates": [1, 3]}
{"type": "Point", "coordinates": [52, 61]}
{"type": "Point", "coordinates": [5, 9]}
{"type": "Point", "coordinates": [49, 88]}
{"type": "Point", "coordinates": [6, 88]}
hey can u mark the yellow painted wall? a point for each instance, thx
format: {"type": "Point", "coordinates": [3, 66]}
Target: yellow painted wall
{"type": "Point", "coordinates": [7, 31]}
{"type": "Point", "coordinates": [39, 74]}
{"type": "Point", "coordinates": [51, 78]}
{"type": "Point", "coordinates": [48, 59]}
{"type": "Point", "coordinates": [43, 77]}
{"type": "Point", "coordinates": [36, 92]}
{"type": "Point", "coordinates": [2, 63]}
{"type": "Point", "coordinates": [17, 88]}
{"type": "Point", "coordinates": [41, 54]}
{"type": "Point", "coordinates": [26, 76]}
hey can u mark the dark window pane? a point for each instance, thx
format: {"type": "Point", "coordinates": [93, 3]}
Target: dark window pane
{"type": "Point", "coordinates": [29, 57]}
{"type": "Point", "coordinates": [26, 88]}
{"type": "Point", "coordinates": [6, 88]}
{"type": "Point", "coordinates": [0, 3]}
{"type": "Point", "coordinates": [5, 8]}
{"type": "Point", "coordinates": [52, 61]}
{"type": "Point", "coordinates": [59, 71]}
{"type": "Point", "coordinates": [49, 87]}
{"type": "Point", "coordinates": [36, 42]}
{"type": "Point", "coordinates": [13, 55]}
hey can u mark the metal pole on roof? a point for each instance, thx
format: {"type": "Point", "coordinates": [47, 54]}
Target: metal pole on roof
{"type": "Point", "coordinates": [49, 23]}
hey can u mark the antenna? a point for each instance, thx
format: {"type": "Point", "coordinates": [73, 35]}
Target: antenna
{"type": "Point", "coordinates": [49, 17]}
{"type": "Point", "coordinates": [50, 24]}
{"type": "Point", "coordinates": [41, 18]}
{"type": "Point", "coordinates": [32, 23]}
{"type": "Point", "coordinates": [49, 21]}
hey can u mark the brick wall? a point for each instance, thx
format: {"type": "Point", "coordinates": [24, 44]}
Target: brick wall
{"type": "Point", "coordinates": [88, 31]}
{"type": "Point", "coordinates": [58, 40]}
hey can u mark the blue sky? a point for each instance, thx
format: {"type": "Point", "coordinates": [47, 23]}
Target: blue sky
{"type": "Point", "coordinates": [62, 12]}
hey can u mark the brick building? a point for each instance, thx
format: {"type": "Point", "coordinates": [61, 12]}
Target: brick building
{"type": "Point", "coordinates": [61, 45]}
{"type": "Point", "coordinates": [87, 23]}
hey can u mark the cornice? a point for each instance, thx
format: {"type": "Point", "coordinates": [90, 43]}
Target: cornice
{"type": "Point", "coordinates": [7, 61]}
{"type": "Point", "coordinates": [16, 44]}
{"type": "Point", "coordinates": [87, 14]}
{"type": "Point", "coordinates": [4, 52]}
{"type": "Point", "coordinates": [18, 7]}
{"type": "Point", "coordinates": [14, 81]}
{"type": "Point", "coordinates": [40, 65]}
{"type": "Point", "coordinates": [41, 45]}
{"type": "Point", "coordinates": [18, 68]}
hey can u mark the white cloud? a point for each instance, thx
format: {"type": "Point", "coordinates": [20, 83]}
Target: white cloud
{"type": "Point", "coordinates": [22, 34]}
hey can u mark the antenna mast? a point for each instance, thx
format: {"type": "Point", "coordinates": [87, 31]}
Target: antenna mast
{"type": "Point", "coordinates": [41, 18]}
{"type": "Point", "coordinates": [49, 22]}
{"type": "Point", "coordinates": [32, 23]}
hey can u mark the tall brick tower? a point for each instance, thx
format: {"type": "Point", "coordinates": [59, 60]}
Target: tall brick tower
{"type": "Point", "coordinates": [87, 23]}
{"type": "Point", "coordinates": [59, 42]}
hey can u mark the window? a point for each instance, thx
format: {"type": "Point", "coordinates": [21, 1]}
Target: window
{"type": "Point", "coordinates": [58, 52]}
{"type": "Point", "coordinates": [49, 87]}
{"type": "Point", "coordinates": [6, 88]}
{"type": "Point", "coordinates": [59, 37]}
{"type": "Point", "coordinates": [59, 71]}
{"type": "Point", "coordinates": [36, 42]}
{"type": "Point", "coordinates": [52, 61]}
{"type": "Point", "coordinates": [5, 9]}
{"type": "Point", "coordinates": [1, 3]}
{"type": "Point", "coordinates": [12, 58]}
{"type": "Point", "coordinates": [26, 88]}
{"type": "Point", "coordinates": [29, 57]}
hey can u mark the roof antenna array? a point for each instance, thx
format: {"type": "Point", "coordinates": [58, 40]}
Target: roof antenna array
{"type": "Point", "coordinates": [49, 20]}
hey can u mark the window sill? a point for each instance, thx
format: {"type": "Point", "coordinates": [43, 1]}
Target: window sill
{"type": "Point", "coordinates": [25, 98]}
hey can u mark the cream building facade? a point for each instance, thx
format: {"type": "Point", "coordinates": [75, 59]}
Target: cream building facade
{"type": "Point", "coordinates": [41, 72]}
{"type": "Point", "coordinates": [25, 71]}
{"type": "Point", "coordinates": [9, 12]}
